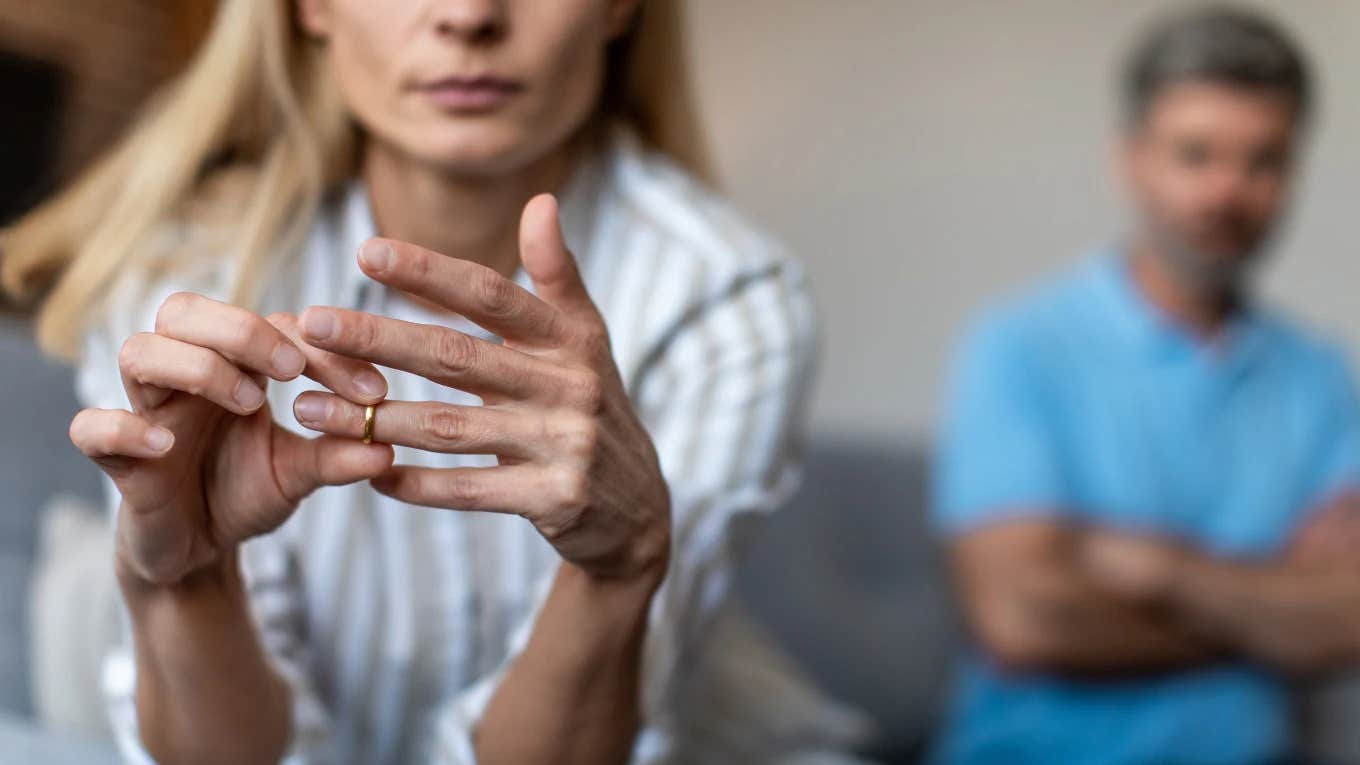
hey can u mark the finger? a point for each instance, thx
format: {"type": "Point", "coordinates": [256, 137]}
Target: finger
{"type": "Point", "coordinates": [514, 489]}
{"type": "Point", "coordinates": [471, 289]}
{"type": "Point", "coordinates": [356, 380]}
{"type": "Point", "coordinates": [327, 461]}
{"type": "Point", "coordinates": [111, 437]}
{"type": "Point", "coordinates": [240, 336]}
{"type": "Point", "coordinates": [546, 258]}
{"type": "Point", "coordinates": [429, 425]}
{"type": "Point", "coordinates": [149, 359]}
{"type": "Point", "coordinates": [443, 355]}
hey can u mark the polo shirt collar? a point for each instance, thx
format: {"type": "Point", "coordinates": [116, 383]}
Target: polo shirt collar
{"type": "Point", "coordinates": [1156, 334]}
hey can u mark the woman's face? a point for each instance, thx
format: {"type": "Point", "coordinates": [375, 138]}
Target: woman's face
{"type": "Point", "coordinates": [480, 87]}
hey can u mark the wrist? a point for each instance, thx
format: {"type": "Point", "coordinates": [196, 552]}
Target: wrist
{"type": "Point", "coordinates": [219, 576]}
{"type": "Point", "coordinates": [641, 563]}
{"type": "Point", "coordinates": [619, 597]}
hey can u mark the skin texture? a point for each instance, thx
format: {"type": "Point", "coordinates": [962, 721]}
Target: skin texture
{"type": "Point", "coordinates": [202, 464]}
{"type": "Point", "coordinates": [1208, 170]}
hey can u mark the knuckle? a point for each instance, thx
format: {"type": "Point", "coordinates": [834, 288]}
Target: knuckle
{"type": "Point", "coordinates": [130, 354]}
{"type": "Point", "coordinates": [174, 307]}
{"type": "Point", "coordinates": [200, 372]}
{"type": "Point", "coordinates": [580, 438]}
{"type": "Point", "coordinates": [456, 352]}
{"type": "Point", "coordinates": [117, 430]}
{"type": "Point", "coordinates": [568, 510]}
{"type": "Point", "coordinates": [246, 332]}
{"type": "Point", "coordinates": [572, 491]}
{"type": "Point", "coordinates": [446, 425]}
{"type": "Point", "coordinates": [464, 489]}
{"type": "Point", "coordinates": [364, 331]}
{"type": "Point", "coordinates": [80, 428]}
{"type": "Point", "coordinates": [495, 293]}
{"type": "Point", "coordinates": [594, 336]}
{"type": "Point", "coordinates": [417, 263]}
{"type": "Point", "coordinates": [586, 391]}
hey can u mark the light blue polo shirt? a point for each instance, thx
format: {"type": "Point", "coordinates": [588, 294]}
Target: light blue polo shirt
{"type": "Point", "coordinates": [1082, 402]}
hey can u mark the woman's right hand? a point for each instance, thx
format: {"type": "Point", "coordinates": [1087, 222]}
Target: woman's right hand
{"type": "Point", "coordinates": [200, 462]}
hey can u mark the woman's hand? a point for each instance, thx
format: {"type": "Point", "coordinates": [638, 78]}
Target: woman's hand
{"type": "Point", "coordinates": [200, 463]}
{"type": "Point", "coordinates": [573, 457]}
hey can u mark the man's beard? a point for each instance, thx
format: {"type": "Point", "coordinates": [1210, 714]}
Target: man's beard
{"type": "Point", "coordinates": [1208, 275]}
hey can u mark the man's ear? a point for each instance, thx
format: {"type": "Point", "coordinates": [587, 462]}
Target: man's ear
{"type": "Point", "coordinates": [621, 15]}
{"type": "Point", "coordinates": [314, 17]}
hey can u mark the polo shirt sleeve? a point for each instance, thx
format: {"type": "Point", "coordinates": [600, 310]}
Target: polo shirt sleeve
{"type": "Point", "coordinates": [997, 456]}
{"type": "Point", "coordinates": [1337, 464]}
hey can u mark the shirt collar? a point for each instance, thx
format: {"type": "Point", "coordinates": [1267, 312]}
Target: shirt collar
{"type": "Point", "coordinates": [1156, 334]}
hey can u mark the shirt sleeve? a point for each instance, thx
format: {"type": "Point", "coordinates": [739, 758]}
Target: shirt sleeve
{"type": "Point", "coordinates": [724, 402]}
{"type": "Point", "coordinates": [270, 578]}
{"type": "Point", "coordinates": [1336, 467]}
{"type": "Point", "coordinates": [997, 456]}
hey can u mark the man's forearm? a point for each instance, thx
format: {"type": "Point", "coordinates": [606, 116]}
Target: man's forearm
{"type": "Point", "coordinates": [1036, 607]}
{"type": "Point", "coordinates": [572, 696]}
{"type": "Point", "coordinates": [1076, 627]}
{"type": "Point", "coordinates": [202, 675]}
{"type": "Point", "coordinates": [1295, 617]}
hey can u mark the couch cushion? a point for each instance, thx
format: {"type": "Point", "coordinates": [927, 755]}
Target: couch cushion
{"type": "Point", "coordinates": [848, 578]}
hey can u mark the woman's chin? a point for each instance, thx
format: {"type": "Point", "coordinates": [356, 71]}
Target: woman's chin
{"type": "Point", "coordinates": [478, 151]}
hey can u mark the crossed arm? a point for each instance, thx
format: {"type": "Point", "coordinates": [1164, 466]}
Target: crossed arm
{"type": "Point", "coordinates": [1044, 595]}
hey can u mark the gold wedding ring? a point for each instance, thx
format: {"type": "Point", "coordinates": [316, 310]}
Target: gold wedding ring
{"type": "Point", "coordinates": [370, 414]}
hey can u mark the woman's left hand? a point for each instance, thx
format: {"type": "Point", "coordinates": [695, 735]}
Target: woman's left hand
{"type": "Point", "coordinates": [573, 456]}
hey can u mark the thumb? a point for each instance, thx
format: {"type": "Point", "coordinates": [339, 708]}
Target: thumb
{"type": "Point", "coordinates": [307, 464]}
{"type": "Point", "coordinates": [544, 254]}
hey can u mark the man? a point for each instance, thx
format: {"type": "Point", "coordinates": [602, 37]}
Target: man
{"type": "Point", "coordinates": [1147, 480]}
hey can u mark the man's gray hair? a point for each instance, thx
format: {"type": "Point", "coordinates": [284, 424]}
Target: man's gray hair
{"type": "Point", "coordinates": [1221, 44]}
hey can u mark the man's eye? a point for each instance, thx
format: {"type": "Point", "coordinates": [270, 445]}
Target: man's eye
{"type": "Point", "coordinates": [1269, 163]}
{"type": "Point", "coordinates": [1193, 155]}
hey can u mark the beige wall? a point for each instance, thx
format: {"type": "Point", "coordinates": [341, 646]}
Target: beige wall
{"type": "Point", "coordinates": [925, 156]}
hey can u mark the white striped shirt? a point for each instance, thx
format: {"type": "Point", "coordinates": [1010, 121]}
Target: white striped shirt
{"type": "Point", "coordinates": [394, 623]}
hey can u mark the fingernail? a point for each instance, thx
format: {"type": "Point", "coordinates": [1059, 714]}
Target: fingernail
{"type": "Point", "coordinates": [375, 255]}
{"type": "Point", "coordinates": [319, 325]}
{"type": "Point", "coordinates": [288, 361]}
{"type": "Point", "coordinates": [249, 395]}
{"type": "Point", "coordinates": [310, 410]}
{"type": "Point", "coordinates": [370, 383]}
{"type": "Point", "coordinates": [160, 439]}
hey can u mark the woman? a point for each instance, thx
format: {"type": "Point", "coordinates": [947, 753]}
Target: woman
{"type": "Point", "coordinates": [285, 594]}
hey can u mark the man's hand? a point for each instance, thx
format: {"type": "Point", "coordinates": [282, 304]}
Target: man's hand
{"type": "Point", "coordinates": [1138, 567]}
{"type": "Point", "coordinates": [1330, 537]}
{"type": "Point", "coordinates": [1039, 601]}
{"type": "Point", "coordinates": [1298, 611]}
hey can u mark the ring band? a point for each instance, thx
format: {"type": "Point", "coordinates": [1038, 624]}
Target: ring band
{"type": "Point", "coordinates": [370, 414]}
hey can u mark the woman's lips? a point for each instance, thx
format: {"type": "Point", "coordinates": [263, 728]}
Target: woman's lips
{"type": "Point", "coordinates": [470, 94]}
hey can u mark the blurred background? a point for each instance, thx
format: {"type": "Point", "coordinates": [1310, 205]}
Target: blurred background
{"type": "Point", "coordinates": [921, 156]}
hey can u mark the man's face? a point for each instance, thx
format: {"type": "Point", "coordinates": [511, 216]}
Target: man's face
{"type": "Point", "coordinates": [1208, 167]}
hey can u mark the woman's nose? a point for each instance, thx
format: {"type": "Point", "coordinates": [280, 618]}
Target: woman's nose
{"type": "Point", "coordinates": [470, 20]}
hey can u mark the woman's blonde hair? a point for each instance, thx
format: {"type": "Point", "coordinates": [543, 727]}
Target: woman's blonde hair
{"type": "Point", "coordinates": [256, 106]}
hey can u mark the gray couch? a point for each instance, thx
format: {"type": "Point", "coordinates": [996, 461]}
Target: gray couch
{"type": "Point", "coordinates": [37, 462]}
